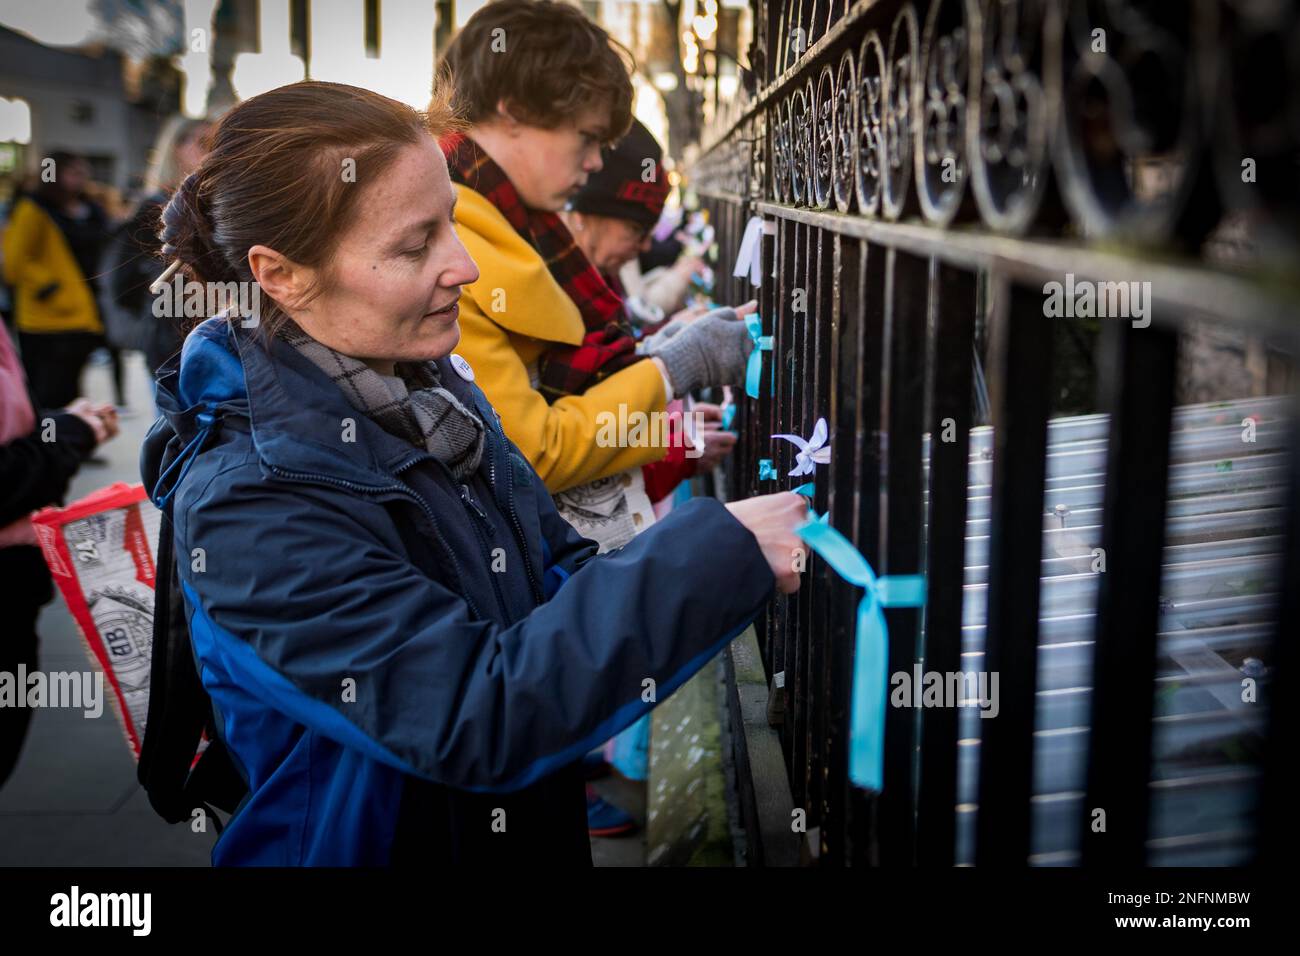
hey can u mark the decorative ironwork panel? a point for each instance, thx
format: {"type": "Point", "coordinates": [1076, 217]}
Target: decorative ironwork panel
{"type": "Point", "coordinates": [1033, 263]}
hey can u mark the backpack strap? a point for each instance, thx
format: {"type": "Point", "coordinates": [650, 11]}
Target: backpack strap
{"type": "Point", "coordinates": [180, 712]}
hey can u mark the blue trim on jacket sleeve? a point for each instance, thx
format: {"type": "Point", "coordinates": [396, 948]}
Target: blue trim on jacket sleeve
{"type": "Point", "coordinates": [553, 576]}
{"type": "Point", "coordinates": [244, 666]}
{"type": "Point", "coordinates": [619, 721]}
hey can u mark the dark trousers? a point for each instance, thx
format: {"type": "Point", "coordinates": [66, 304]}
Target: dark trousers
{"type": "Point", "coordinates": [53, 362]}
{"type": "Point", "coordinates": [119, 372]}
{"type": "Point", "coordinates": [17, 646]}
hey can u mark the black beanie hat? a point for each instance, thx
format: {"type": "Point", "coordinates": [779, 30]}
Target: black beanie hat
{"type": "Point", "coordinates": [627, 187]}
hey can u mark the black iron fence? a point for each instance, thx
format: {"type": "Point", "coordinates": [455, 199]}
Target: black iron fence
{"type": "Point", "coordinates": [1034, 263]}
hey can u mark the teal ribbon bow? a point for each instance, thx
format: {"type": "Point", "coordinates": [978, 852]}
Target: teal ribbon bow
{"type": "Point", "coordinates": [766, 469]}
{"type": "Point", "coordinates": [871, 656]}
{"type": "Point", "coordinates": [762, 343]}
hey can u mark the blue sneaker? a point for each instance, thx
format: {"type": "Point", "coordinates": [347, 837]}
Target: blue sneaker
{"type": "Point", "coordinates": [606, 820]}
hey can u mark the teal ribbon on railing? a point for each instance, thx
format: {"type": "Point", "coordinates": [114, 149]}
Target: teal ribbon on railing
{"type": "Point", "coordinates": [871, 656]}
{"type": "Point", "coordinates": [762, 343]}
{"type": "Point", "coordinates": [766, 470]}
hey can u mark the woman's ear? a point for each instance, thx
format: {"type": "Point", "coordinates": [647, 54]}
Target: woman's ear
{"type": "Point", "coordinates": [506, 118]}
{"type": "Point", "coordinates": [284, 280]}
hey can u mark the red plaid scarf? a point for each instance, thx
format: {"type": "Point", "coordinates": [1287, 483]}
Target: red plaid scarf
{"type": "Point", "coordinates": [608, 345]}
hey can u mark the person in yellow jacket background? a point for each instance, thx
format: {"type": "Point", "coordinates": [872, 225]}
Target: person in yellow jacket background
{"type": "Point", "coordinates": [51, 254]}
{"type": "Point", "coordinates": [539, 112]}
{"type": "Point", "coordinates": [547, 339]}
{"type": "Point", "coordinates": [532, 313]}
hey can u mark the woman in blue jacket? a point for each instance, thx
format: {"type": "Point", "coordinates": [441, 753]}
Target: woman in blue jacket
{"type": "Point", "coordinates": [406, 648]}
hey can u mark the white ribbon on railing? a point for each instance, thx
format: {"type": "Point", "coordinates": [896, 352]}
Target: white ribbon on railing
{"type": "Point", "coordinates": [749, 258]}
{"type": "Point", "coordinates": [812, 451]}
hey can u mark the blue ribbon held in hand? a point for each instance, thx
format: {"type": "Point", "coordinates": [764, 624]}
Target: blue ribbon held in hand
{"type": "Point", "coordinates": [762, 343]}
{"type": "Point", "coordinates": [871, 655]}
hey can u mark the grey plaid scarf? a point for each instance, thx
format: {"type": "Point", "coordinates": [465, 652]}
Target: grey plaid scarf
{"type": "Point", "coordinates": [412, 405]}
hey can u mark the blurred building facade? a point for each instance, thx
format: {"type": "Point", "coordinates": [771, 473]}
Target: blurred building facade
{"type": "Point", "coordinates": [91, 77]}
{"type": "Point", "coordinates": [688, 53]}
{"type": "Point", "coordinates": [98, 76]}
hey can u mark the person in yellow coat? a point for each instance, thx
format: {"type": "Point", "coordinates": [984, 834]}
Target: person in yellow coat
{"type": "Point", "coordinates": [540, 107]}
{"type": "Point", "coordinates": [548, 339]}
{"type": "Point", "coordinates": [51, 254]}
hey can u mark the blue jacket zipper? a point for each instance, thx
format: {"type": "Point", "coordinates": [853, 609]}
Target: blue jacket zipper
{"type": "Point", "coordinates": [473, 506]}
{"type": "Point", "coordinates": [538, 597]}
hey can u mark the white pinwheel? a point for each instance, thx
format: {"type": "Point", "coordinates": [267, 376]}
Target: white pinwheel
{"type": "Point", "coordinates": [812, 451]}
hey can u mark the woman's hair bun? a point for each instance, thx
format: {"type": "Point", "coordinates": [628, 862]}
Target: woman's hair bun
{"type": "Point", "coordinates": [186, 234]}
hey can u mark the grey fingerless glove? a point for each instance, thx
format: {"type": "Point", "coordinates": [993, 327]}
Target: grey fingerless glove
{"type": "Point", "coordinates": [651, 344]}
{"type": "Point", "coordinates": [712, 350]}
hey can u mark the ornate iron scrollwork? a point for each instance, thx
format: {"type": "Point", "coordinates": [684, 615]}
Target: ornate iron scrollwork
{"type": "Point", "coordinates": [801, 143]}
{"type": "Point", "coordinates": [940, 103]}
{"type": "Point", "coordinates": [1106, 102]}
{"type": "Point", "coordinates": [846, 131]}
{"type": "Point", "coordinates": [1130, 123]}
{"type": "Point", "coordinates": [870, 142]}
{"type": "Point", "coordinates": [1009, 115]}
{"type": "Point", "coordinates": [781, 146]}
{"type": "Point", "coordinates": [785, 40]}
{"type": "Point", "coordinates": [898, 118]}
{"type": "Point", "coordinates": [823, 134]}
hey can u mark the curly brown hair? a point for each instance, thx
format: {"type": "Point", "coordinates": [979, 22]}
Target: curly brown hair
{"type": "Point", "coordinates": [546, 60]}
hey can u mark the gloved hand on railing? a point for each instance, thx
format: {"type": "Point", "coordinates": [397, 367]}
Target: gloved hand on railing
{"type": "Point", "coordinates": [710, 350]}
{"type": "Point", "coordinates": [685, 317]}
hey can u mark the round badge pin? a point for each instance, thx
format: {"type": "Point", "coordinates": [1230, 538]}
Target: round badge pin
{"type": "Point", "coordinates": [462, 367]}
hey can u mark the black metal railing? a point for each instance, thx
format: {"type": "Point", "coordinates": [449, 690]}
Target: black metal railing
{"type": "Point", "coordinates": [1104, 507]}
